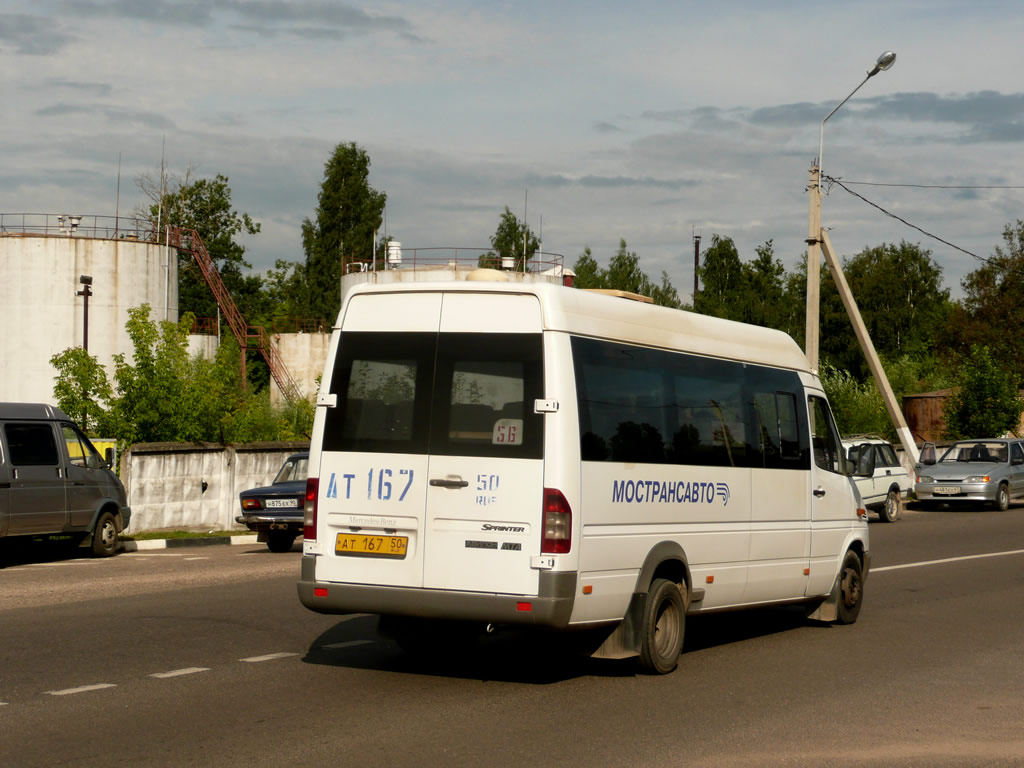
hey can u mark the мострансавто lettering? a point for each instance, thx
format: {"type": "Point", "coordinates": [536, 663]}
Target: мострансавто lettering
{"type": "Point", "coordinates": [671, 492]}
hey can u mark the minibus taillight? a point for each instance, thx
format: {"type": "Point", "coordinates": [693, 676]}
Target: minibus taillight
{"type": "Point", "coordinates": [309, 509]}
{"type": "Point", "coordinates": [557, 523]}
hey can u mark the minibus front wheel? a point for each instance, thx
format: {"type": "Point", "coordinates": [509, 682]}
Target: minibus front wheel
{"type": "Point", "coordinates": [663, 628]}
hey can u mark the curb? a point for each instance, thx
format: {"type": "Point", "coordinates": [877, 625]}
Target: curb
{"type": "Point", "coordinates": [136, 546]}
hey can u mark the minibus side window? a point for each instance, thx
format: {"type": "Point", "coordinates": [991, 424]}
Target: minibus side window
{"type": "Point", "coordinates": [824, 437]}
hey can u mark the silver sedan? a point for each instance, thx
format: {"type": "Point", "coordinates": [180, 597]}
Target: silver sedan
{"type": "Point", "coordinates": [989, 471]}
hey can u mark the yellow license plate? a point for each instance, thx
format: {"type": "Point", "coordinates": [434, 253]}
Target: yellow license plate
{"type": "Point", "coordinates": [365, 545]}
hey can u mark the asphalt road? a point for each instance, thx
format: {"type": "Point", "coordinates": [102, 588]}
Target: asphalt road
{"type": "Point", "coordinates": [204, 656]}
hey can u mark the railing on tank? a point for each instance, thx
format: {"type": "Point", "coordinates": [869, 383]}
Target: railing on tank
{"type": "Point", "coordinates": [131, 228]}
{"type": "Point", "coordinates": [456, 258]}
{"type": "Point", "coordinates": [300, 325]}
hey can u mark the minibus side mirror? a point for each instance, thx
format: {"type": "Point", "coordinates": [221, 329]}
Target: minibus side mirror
{"type": "Point", "coordinates": [108, 456]}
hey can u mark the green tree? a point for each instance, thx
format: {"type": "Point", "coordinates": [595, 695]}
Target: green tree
{"type": "Point", "coordinates": [993, 304]}
{"type": "Point", "coordinates": [765, 286]}
{"type": "Point", "coordinates": [723, 287]}
{"type": "Point", "coordinates": [588, 273]}
{"type": "Point", "coordinates": [624, 274]}
{"type": "Point", "coordinates": [81, 389]}
{"type": "Point", "coordinates": [205, 206]}
{"type": "Point", "coordinates": [162, 394]}
{"type": "Point", "coordinates": [349, 212]}
{"type": "Point", "coordinates": [512, 238]}
{"type": "Point", "coordinates": [986, 403]}
{"type": "Point", "coordinates": [899, 292]}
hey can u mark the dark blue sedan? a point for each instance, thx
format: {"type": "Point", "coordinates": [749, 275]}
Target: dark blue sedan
{"type": "Point", "coordinates": [274, 512]}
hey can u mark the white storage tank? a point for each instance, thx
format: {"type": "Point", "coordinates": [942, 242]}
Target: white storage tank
{"type": "Point", "coordinates": [40, 275]}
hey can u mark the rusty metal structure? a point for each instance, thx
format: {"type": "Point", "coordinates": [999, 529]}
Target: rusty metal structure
{"type": "Point", "coordinates": [249, 337]}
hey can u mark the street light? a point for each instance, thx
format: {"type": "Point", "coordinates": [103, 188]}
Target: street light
{"type": "Point", "coordinates": [884, 62]}
{"type": "Point", "coordinates": [85, 293]}
{"type": "Point", "coordinates": [817, 240]}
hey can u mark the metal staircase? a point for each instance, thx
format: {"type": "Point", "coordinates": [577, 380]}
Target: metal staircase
{"type": "Point", "coordinates": [253, 337]}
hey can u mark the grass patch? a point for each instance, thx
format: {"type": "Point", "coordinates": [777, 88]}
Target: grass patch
{"type": "Point", "coordinates": [180, 534]}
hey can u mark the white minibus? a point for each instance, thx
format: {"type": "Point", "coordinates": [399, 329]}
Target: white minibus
{"type": "Point", "coordinates": [506, 453]}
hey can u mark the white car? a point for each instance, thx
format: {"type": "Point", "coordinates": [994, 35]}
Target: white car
{"type": "Point", "coordinates": [886, 490]}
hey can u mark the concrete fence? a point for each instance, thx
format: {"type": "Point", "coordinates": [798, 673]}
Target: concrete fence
{"type": "Point", "coordinates": [187, 486]}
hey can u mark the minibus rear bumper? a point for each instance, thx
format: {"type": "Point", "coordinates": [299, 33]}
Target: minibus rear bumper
{"type": "Point", "coordinates": [550, 607]}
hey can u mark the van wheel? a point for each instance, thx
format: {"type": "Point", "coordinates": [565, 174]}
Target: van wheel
{"type": "Point", "coordinates": [1002, 502]}
{"type": "Point", "coordinates": [851, 589]}
{"type": "Point", "coordinates": [280, 541]}
{"type": "Point", "coordinates": [104, 536]}
{"type": "Point", "coordinates": [890, 511]}
{"type": "Point", "coordinates": [664, 623]}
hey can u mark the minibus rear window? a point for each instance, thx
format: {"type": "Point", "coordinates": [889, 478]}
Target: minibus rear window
{"type": "Point", "coordinates": [461, 394]}
{"type": "Point", "coordinates": [382, 382]}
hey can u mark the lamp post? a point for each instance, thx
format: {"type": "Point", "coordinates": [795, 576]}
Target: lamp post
{"type": "Point", "coordinates": [85, 293]}
{"type": "Point", "coordinates": [884, 62]}
{"type": "Point", "coordinates": [818, 240]}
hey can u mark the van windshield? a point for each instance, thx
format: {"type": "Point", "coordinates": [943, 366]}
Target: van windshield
{"type": "Point", "coordinates": [451, 394]}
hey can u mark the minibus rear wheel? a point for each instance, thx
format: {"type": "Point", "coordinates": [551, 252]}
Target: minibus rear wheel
{"type": "Point", "coordinates": [664, 624]}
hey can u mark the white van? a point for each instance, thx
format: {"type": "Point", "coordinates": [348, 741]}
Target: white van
{"type": "Point", "coordinates": [522, 453]}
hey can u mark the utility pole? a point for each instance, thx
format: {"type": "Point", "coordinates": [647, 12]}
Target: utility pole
{"type": "Point", "coordinates": [813, 268]}
{"type": "Point", "coordinates": [696, 267]}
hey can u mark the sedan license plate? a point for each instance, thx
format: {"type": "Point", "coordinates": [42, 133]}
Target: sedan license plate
{"type": "Point", "coordinates": [946, 490]}
{"type": "Point", "coordinates": [364, 545]}
{"type": "Point", "coordinates": [281, 503]}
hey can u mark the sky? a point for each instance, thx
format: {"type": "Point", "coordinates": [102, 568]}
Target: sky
{"type": "Point", "coordinates": [644, 121]}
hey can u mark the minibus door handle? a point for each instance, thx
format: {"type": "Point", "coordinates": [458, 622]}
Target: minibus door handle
{"type": "Point", "coordinates": [819, 492]}
{"type": "Point", "coordinates": [449, 482]}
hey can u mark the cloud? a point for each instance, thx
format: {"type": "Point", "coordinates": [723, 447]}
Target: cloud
{"type": "Point", "coordinates": [267, 18]}
{"type": "Point", "coordinates": [605, 127]}
{"type": "Point", "coordinates": [90, 89]}
{"type": "Point", "coordinates": [32, 35]}
{"type": "Point", "coordinates": [607, 182]}
{"type": "Point", "coordinates": [113, 114]}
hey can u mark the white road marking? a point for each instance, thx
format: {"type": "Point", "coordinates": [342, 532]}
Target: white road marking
{"type": "Point", "coordinates": [268, 657]}
{"type": "Point", "coordinates": [197, 558]}
{"type": "Point", "coordinates": [947, 560]}
{"type": "Point", "coordinates": [82, 689]}
{"type": "Point", "coordinates": [180, 672]}
{"type": "Point", "coordinates": [348, 644]}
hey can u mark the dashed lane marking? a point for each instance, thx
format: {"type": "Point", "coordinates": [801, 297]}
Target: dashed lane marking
{"type": "Point", "coordinates": [268, 657]}
{"type": "Point", "coordinates": [180, 672]}
{"type": "Point", "coordinates": [947, 560]}
{"type": "Point", "coordinates": [197, 558]}
{"type": "Point", "coordinates": [82, 689]}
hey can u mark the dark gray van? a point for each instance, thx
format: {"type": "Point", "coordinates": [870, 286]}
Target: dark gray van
{"type": "Point", "coordinates": [53, 481]}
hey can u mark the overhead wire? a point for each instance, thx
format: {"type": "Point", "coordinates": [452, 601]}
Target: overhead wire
{"type": "Point", "coordinates": [890, 214]}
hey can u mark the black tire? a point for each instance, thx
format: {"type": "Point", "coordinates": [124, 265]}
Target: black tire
{"type": "Point", "coordinates": [280, 541]}
{"type": "Point", "coordinates": [663, 628]}
{"type": "Point", "coordinates": [889, 512]}
{"type": "Point", "coordinates": [1002, 502]}
{"type": "Point", "coordinates": [104, 536]}
{"type": "Point", "coordinates": [851, 588]}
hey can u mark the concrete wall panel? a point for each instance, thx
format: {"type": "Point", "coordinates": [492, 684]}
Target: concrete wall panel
{"type": "Point", "coordinates": [188, 487]}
